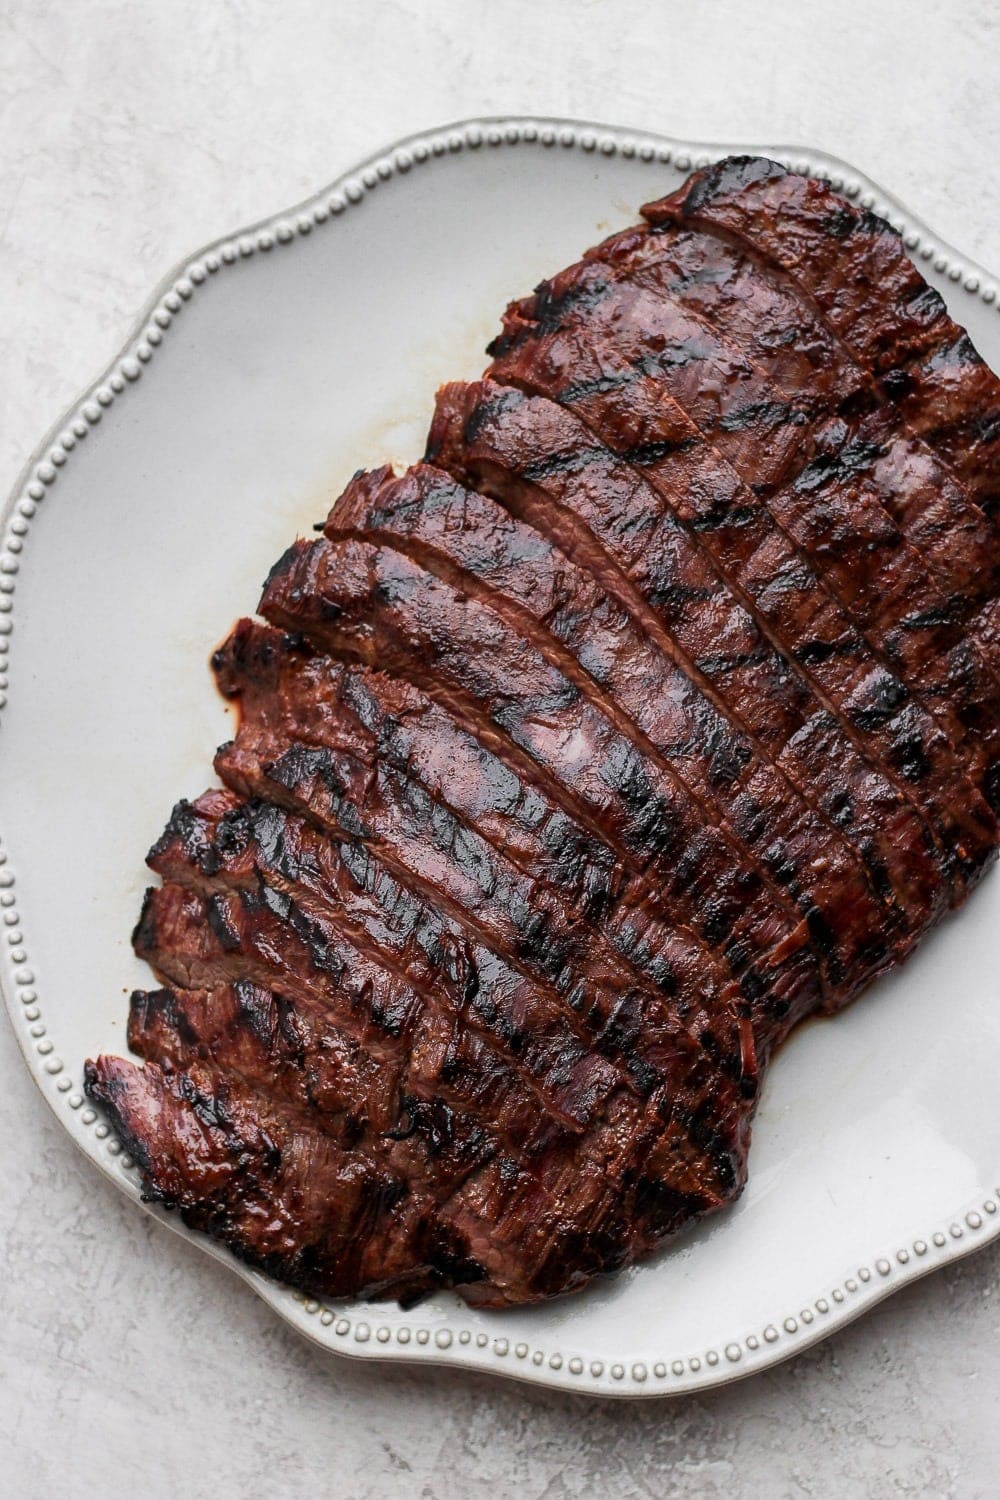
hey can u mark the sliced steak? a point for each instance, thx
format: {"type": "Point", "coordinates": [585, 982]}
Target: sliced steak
{"type": "Point", "coordinates": [291, 1050]}
{"type": "Point", "coordinates": [249, 846]}
{"type": "Point", "coordinates": [755, 306]}
{"type": "Point", "coordinates": [853, 267]}
{"type": "Point", "coordinates": [283, 1195]}
{"type": "Point", "coordinates": [290, 1202]}
{"type": "Point", "coordinates": [293, 876]}
{"type": "Point", "coordinates": [294, 1045]}
{"type": "Point", "coordinates": [373, 604]}
{"type": "Point", "coordinates": [434, 1155]}
{"type": "Point", "coordinates": [697, 1135]}
{"type": "Point", "coordinates": [658, 708]}
{"type": "Point", "coordinates": [534, 453]}
{"type": "Point", "coordinates": [525, 1026]}
{"type": "Point", "coordinates": [471, 541]}
{"type": "Point", "coordinates": [203, 942]}
{"type": "Point", "coordinates": [326, 740]}
{"type": "Point", "coordinates": [810, 467]}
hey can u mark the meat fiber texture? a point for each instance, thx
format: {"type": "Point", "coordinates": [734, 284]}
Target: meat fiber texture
{"type": "Point", "coordinates": [656, 709]}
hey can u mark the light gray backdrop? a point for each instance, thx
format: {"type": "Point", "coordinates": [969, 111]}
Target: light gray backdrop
{"type": "Point", "coordinates": [130, 132]}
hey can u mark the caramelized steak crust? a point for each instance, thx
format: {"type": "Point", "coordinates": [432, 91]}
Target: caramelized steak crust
{"type": "Point", "coordinates": [655, 710]}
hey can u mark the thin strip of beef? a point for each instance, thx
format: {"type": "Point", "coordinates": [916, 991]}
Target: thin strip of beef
{"type": "Point", "coordinates": [289, 692]}
{"type": "Point", "coordinates": [471, 540]}
{"type": "Point", "coordinates": [615, 994]}
{"type": "Point", "coordinates": [810, 470]}
{"type": "Point", "coordinates": [688, 1151]}
{"type": "Point", "coordinates": [853, 266]}
{"type": "Point", "coordinates": [261, 1034]}
{"type": "Point", "coordinates": [388, 1100]}
{"type": "Point", "coordinates": [369, 916]}
{"type": "Point", "coordinates": [219, 843]}
{"type": "Point", "coordinates": [328, 740]}
{"type": "Point", "coordinates": [540, 459]}
{"type": "Point", "coordinates": [283, 1195]}
{"type": "Point", "coordinates": [372, 604]}
{"type": "Point", "coordinates": [277, 1045]}
{"type": "Point", "coordinates": [540, 462]}
{"type": "Point", "coordinates": [879, 475]}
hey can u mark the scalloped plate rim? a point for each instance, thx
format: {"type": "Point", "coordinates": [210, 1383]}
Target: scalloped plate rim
{"type": "Point", "coordinates": [294, 1309]}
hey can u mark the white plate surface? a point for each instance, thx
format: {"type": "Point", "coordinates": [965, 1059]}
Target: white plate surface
{"type": "Point", "coordinates": [264, 371]}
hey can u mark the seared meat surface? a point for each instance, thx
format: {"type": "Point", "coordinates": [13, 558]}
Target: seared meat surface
{"type": "Point", "coordinates": [655, 710]}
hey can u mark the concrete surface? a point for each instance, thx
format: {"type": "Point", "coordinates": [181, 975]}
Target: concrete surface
{"type": "Point", "coordinates": [131, 131]}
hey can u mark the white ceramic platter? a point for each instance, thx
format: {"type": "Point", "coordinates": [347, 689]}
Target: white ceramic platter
{"type": "Point", "coordinates": [263, 372]}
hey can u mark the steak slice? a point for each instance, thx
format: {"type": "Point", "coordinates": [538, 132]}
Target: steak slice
{"type": "Point", "coordinates": [282, 1195]}
{"type": "Point", "coordinates": [292, 1049]}
{"type": "Point", "coordinates": [532, 452]}
{"type": "Point", "coordinates": [471, 541]}
{"type": "Point", "coordinates": [204, 942]}
{"type": "Point", "coordinates": [286, 690]}
{"type": "Point", "coordinates": [853, 267]}
{"type": "Point", "coordinates": [811, 470]}
{"type": "Point", "coordinates": [373, 604]}
{"type": "Point", "coordinates": [412, 969]}
{"type": "Point", "coordinates": [273, 863]}
{"type": "Point", "coordinates": [289, 1201]}
{"type": "Point", "coordinates": [267, 1038]}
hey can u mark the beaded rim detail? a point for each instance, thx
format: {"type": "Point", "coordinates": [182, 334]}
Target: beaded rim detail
{"type": "Point", "coordinates": [335, 1328]}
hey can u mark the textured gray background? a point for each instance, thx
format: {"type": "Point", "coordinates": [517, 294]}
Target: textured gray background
{"type": "Point", "coordinates": [130, 132]}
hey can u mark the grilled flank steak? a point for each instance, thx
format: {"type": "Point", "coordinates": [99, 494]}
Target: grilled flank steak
{"type": "Point", "coordinates": [656, 709]}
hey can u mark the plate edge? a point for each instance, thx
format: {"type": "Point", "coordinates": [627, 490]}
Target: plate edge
{"type": "Point", "coordinates": [626, 1377]}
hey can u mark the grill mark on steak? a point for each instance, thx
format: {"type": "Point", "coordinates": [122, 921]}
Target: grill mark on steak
{"type": "Point", "coordinates": [391, 938]}
{"type": "Point", "coordinates": [287, 1200]}
{"type": "Point", "coordinates": [471, 541]}
{"type": "Point", "coordinates": [852, 267]}
{"type": "Point", "coordinates": [888, 727]}
{"type": "Point", "coordinates": [820, 492]}
{"type": "Point", "coordinates": [372, 603]}
{"type": "Point", "coordinates": [759, 309]}
{"type": "Point", "coordinates": [179, 936]}
{"type": "Point", "coordinates": [281, 1194]}
{"type": "Point", "coordinates": [755, 304]}
{"type": "Point", "coordinates": [255, 1029]}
